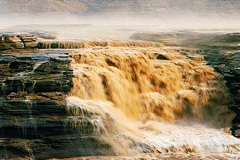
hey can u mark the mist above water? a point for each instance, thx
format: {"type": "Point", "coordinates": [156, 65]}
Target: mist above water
{"type": "Point", "coordinates": [177, 21]}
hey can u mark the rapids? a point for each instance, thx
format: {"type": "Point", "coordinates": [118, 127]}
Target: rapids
{"type": "Point", "coordinates": [149, 99]}
{"type": "Point", "coordinates": [76, 44]}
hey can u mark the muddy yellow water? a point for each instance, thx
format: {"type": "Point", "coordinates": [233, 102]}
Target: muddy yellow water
{"type": "Point", "coordinates": [173, 103]}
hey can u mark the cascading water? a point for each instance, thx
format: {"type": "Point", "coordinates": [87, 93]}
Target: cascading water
{"type": "Point", "coordinates": [139, 97]}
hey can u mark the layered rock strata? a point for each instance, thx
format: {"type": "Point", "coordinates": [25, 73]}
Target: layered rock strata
{"type": "Point", "coordinates": [34, 122]}
{"type": "Point", "coordinates": [17, 41]}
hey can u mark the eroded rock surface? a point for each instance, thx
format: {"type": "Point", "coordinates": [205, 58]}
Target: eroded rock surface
{"type": "Point", "coordinates": [229, 65]}
{"type": "Point", "coordinates": [17, 41]}
{"type": "Point", "coordinates": [32, 108]}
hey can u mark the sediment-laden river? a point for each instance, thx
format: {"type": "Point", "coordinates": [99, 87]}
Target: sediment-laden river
{"type": "Point", "coordinates": [115, 100]}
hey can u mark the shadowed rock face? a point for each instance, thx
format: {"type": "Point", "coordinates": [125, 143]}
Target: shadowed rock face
{"type": "Point", "coordinates": [34, 121]}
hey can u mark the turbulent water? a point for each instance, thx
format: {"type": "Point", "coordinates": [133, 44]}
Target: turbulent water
{"type": "Point", "coordinates": [146, 99]}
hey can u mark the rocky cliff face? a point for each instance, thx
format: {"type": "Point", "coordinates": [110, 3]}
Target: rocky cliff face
{"type": "Point", "coordinates": [34, 121]}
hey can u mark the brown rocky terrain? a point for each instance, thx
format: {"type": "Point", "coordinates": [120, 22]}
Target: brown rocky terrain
{"type": "Point", "coordinates": [42, 6]}
{"type": "Point", "coordinates": [134, 6]}
{"type": "Point", "coordinates": [16, 41]}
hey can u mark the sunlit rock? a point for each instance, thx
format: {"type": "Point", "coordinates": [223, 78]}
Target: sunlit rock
{"type": "Point", "coordinates": [17, 41]}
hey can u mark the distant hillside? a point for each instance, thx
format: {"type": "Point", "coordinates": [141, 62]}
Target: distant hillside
{"type": "Point", "coordinates": [42, 6]}
{"type": "Point", "coordinates": [103, 6]}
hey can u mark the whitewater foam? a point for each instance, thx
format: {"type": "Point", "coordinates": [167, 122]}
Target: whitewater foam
{"type": "Point", "coordinates": [173, 105]}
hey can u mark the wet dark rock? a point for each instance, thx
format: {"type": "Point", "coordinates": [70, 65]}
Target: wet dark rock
{"type": "Point", "coordinates": [236, 123]}
{"type": "Point", "coordinates": [53, 95]}
{"type": "Point", "coordinates": [39, 128]}
{"type": "Point", "coordinates": [34, 120]}
{"type": "Point", "coordinates": [160, 56]}
{"type": "Point", "coordinates": [39, 73]}
{"type": "Point", "coordinates": [228, 64]}
{"type": "Point", "coordinates": [236, 71]}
